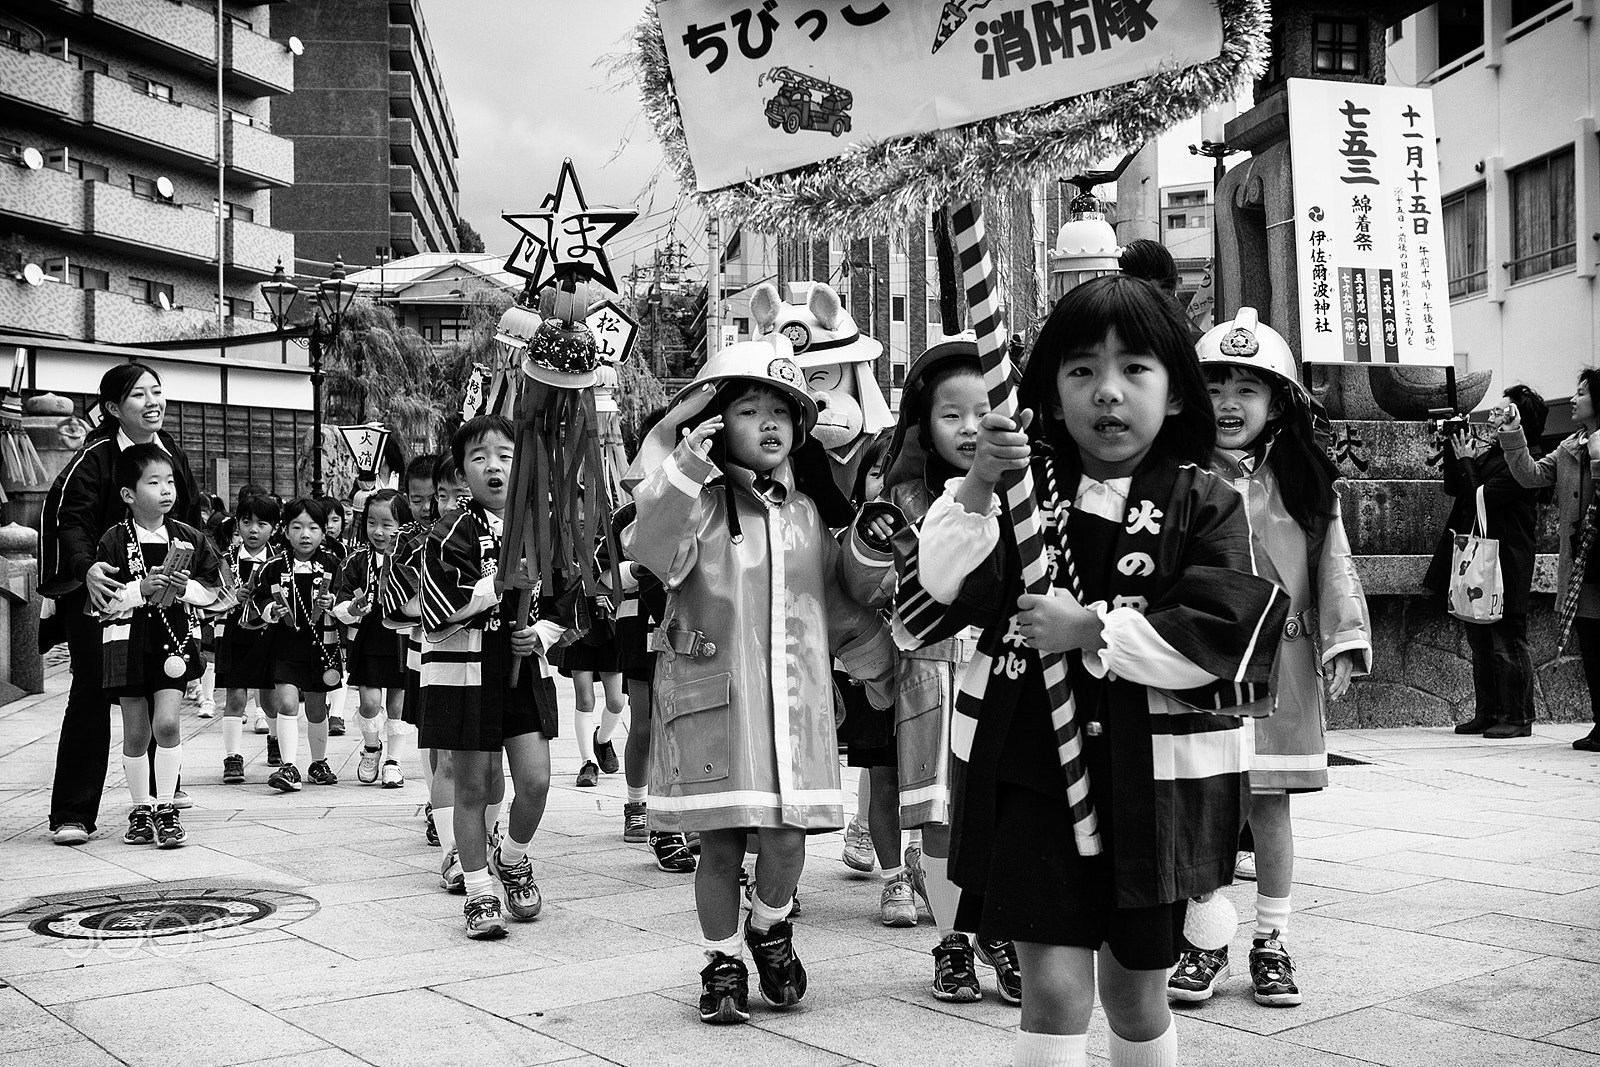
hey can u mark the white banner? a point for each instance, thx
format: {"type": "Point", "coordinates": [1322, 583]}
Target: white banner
{"type": "Point", "coordinates": [769, 85]}
{"type": "Point", "coordinates": [1369, 234]}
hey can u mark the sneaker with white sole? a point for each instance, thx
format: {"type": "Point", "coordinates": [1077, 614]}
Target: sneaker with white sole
{"type": "Point", "coordinates": [1195, 978]}
{"type": "Point", "coordinates": [724, 990]}
{"type": "Point", "coordinates": [430, 832]}
{"type": "Point", "coordinates": [1002, 956]}
{"type": "Point", "coordinates": [70, 833]}
{"type": "Point", "coordinates": [285, 779]}
{"type": "Point", "coordinates": [367, 769]}
{"type": "Point", "coordinates": [141, 826]}
{"type": "Point", "coordinates": [391, 776]}
{"type": "Point", "coordinates": [182, 801]}
{"type": "Point", "coordinates": [1244, 867]}
{"type": "Point", "coordinates": [335, 725]}
{"type": "Point", "coordinates": [523, 899]}
{"type": "Point", "coordinates": [672, 852]}
{"type": "Point", "coordinates": [1272, 973]}
{"type": "Point", "coordinates": [233, 769]}
{"type": "Point", "coordinates": [169, 828]}
{"type": "Point", "coordinates": [274, 754]}
{"type": "Point", "coordinates": [451, 878]}
{"type": "Point", "coordinates": [858, 852]}
{"type": "Point", "coordinates": [897, 905]}
{"type": "Point", "coordinates": [484, 921]}
{"type": "Point", "coordinates": [919, 877]}
{"type": "Point", "coordinates": [955, 978]}
{"type": "Point", "coordinates": [783, 977]}
{"type": "Point", "coordinates": [208, 709]}
{"type": "Point", "coordinates": [258, 722]}
{"type": "Point", "coordinates": [319, 773]}
{"type": "Point", "coordinates": [635, 822]}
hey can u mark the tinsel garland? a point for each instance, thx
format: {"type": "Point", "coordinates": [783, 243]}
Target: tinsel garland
{"type": "Point", "coordinates": [874, 188]}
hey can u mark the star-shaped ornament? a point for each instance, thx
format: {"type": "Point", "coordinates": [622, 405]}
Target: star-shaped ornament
{"type": "Point", "coordinates": [564, 239]}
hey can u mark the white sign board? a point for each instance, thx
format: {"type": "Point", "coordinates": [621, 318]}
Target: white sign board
{"type": "Point", "coordinates": [613, 332]}
{"type": "Point", "coordinates": [1369, 234]}
{"type": "Point", "coordinates": [769, 85]}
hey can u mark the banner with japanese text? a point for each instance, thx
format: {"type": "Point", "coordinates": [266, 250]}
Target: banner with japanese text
{"type": "Point", "coordinates": [1369, 235]}
{"type": "Point", "coordinates": [769, 85]}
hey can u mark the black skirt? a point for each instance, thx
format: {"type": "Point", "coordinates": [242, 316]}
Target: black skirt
{"type": "Point", "coordinates": [634, 658]}
{"type": "Point", "coordinates": [377, 656]}
{"type": "Point", "coordinates": [243, 660]}
{"type": "Point", "coordinates": [867, 733]}
{"type": "Point", "coordinates": [601, 658]}
{"type": "Point", "coordinates": [152, 674]}
{"type": "Point", "coordinates": [295, 661]}
{"type": "Point", "coordinates": [482, 718]}
{"type": "Point", "coordinates": [1041, 891]}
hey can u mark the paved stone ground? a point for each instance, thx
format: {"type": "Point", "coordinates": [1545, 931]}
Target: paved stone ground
{"type": "Point", "coordinates": [1447, 912]}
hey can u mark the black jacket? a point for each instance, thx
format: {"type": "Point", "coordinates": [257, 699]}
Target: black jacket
{"type": "Point", "coordinates": [84, 503]}
{"type": "Point", "coordinates": [1512, 514]}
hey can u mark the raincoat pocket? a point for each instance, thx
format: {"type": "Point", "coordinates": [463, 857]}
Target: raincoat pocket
{"type": "Point", "coordinates": [920, 721]}
{"type": "Point", "coordinates": [694, 721]}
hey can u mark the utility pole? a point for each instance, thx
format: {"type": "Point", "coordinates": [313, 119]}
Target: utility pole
{"type": "Point", "coordinates": [714, 286]}
{"type": "Point", "coordinates": [655, 315]}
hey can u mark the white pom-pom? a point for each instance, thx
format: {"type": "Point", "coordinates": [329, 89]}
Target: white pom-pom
{"type": "Point", "coordinates": [1210, 921]}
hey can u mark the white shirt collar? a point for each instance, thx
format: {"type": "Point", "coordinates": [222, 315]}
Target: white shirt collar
{"type": "Point", "coordinates": [302, 566]}
{"type": "Point", "coordinates": [255, 557]}
{"type": "Point", "coordinates": [496, 523]}
{"type": "Point", "coordinates": [152, 537]}
{"type": "Point", "coordinates": [1107, 500]}
{"type": "Point", "coordinates": [124, 442]}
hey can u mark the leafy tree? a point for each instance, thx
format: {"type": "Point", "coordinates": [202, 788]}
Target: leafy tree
{"type": "Point", "coordinates": [467, 238]}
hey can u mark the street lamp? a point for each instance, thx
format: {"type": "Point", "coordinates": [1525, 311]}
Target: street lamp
{"type": "Point", "coordinates": [333, 300]}
{"type": "Point", "coordinates": [1214, 147]}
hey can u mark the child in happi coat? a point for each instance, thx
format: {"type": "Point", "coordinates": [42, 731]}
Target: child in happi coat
{"type": "Point", "coordinates": [936, 440]}
{"type": "Point", "coordinates": [294, 599]}
{"type": "Point", "coordinates": [153, 650]}
{"type": "Point", "coordinates": [1267, 447]}
{"type": "Point", "coordinates": [336, 544]}
{"type": "Point", "coordinates": [243, 652]}
{"type": "Point", "coordinates": [472, 707]}
{"type": "Point", "coordinates": [1083, 838]}
{"type": "Point", "coordinates": [743, 740]}
{"type": "Point", "coordinates": [376, 653]}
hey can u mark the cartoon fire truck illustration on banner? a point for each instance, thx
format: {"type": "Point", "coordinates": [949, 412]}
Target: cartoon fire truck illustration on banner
{"type": "Point", "coordinates": [807, 103]}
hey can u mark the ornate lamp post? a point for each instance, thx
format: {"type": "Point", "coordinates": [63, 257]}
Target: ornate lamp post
{"type": "Point", "coordinates": [333, 300]}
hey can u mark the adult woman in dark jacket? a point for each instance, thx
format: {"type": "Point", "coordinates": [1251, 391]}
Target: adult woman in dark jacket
{"type": "Point", "coordinates": [1502, 667]}
{"type": "Point", "coordinates": [81, 505]}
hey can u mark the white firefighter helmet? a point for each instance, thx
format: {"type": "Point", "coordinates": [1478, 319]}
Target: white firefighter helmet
{"type": "Point", "coordinates": [1249, 343]}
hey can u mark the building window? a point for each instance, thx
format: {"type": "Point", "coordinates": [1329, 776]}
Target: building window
{"type": "Point", "coordinates": [1543, 220]}
{"type": "Point", "coordinates": [897, 308]}
{"type": "Point", "coordinates": [159, 90]}
{"type": "Point", "coordinates": [143, 188]}
{"type": "Point", "coordinates": [1339, 46]}
{"type": "Point", "coordinates": [742, 325]}
{"type": "Point", "coordinates": [1466, 241]}
{"type": "Point", "coordinates": [240, 117]}
{"type": "Point", "coordinates": [145, 291]}
{"type": "Point", "coordinates": [237, 21]}
{"type": "Point", "coordinates": [91, 64]}
{"type": "Point", "coordinates": [90, 172]}
{"type": "Point", "coordinates": [1177, 222]}
{"type": "Point", "coordinates": [897, 376]}
{"type": "Point", "coordinates": [83, 277]}
{"type": "Point", "coordinates": [1460, 29]}
{"type": "Point", "coordinates": [933, 310]}
{"type": "Point", "coordinates": [234, 211]}
{"type": "Point", "coordinates": [1523, 10]}
{"type": "Point", "coordinates": [240, 308]}
{"type": "Point", "coordinates": [11, 37]}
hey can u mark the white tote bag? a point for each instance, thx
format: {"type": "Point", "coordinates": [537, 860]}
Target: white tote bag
{"type": "Point", "coordinates": [1477, 593]}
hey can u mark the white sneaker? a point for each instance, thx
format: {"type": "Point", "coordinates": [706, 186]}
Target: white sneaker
{"type": "Point", "coordinates": [858, 852]}
{"type": "Point", "coordinates": [392, 778]}
{"type": "Point", "coordinates": [208, 709]}
{"type": "Point", "coordinates": [259, 722]}
{"type": "Point", "coordinates": [1244, 867]}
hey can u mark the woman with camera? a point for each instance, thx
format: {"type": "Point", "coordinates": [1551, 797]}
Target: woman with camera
{"type": "Point", "coordinates": [1502, 666]}
{"type": "Point", "coordinates": [1572, 467]}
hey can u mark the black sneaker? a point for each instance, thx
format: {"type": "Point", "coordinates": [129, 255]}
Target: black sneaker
{"type": "Point", "coordinates": [1589, 742]}
{"type": "Point", "coordinates": [319, 773]}
{"type": "Point", "coordinates": [169, 830]}
{"type": "Point", "coordinates": [1272, 973]}
{"type": "Point", "coordinates": [724, 990]}
{"type": "Point", "coordinates": [588, 775]}
{"type": "Point", "coordinates": [233, 769]}
{"type": "Point", "coordinates": [783, 977]}
{"type": "Point", "coordinates": [141, 827]}
{"type": "Point", "coordinates": [954, 976]}
{"type": "Point", "coordinates": [606, 753]}
{"type": "Point", "coordinates": [286, 778]}
{"type": "Point", "coordinates": [484, 921]}
{"type": "Point", "coordinates": [335, 725]}
{"type": "Point", "coordinates": [635, 822]}
{"type": "Point", "coordinates": [274, 758]}
{"type": "Point", "coordinates": [431, 832]}
{"type": "Point", "coordinates": [672, 854]}
{"type": "Point", "coordinates": [1002, 956]}
{"type": "Point", "coordinates": [1195, 978]}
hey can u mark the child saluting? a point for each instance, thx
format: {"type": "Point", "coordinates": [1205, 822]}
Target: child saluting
{"type": "Point", "coordinates": [743, 740]}
{"type": "Point", "coordinates": [1158, 615]}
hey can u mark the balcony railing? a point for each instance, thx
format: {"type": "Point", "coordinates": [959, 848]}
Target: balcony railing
{"type": "Point", "coordinates": [172, 30]}
{"type": "Point", "coordinates": [404, 234]}
{"type": "Point", "coordinates": [49, 198]}
{"type": "Point", "coordinates": [257, 249]}
{"type": "Point", "coordinates": [259, 158]}
{"type": "Point", "coordinates": [162, 229]}
{"type": "Point", "coordinates": [257, 63]}
{"type": "Point", "coordinates": [38, 80]}
{"type": "Point", "coordinates": [118, 108]}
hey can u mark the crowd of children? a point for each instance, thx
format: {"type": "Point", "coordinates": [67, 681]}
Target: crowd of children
{"type": "Point", "coordinates": [1201, 610]}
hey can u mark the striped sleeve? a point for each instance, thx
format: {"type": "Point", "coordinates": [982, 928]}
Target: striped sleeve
{"type": "Point", "coordinates": [923, 619]}
{"type": "Point", "coordinates": [451, 565]}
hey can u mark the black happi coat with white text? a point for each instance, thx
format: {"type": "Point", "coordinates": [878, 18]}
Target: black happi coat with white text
{"type": "Point", "coordinates": [301, 639]}
{"type": "Point", "coordinates": [128, 641]}
{"type": "Point", "coordinates": [360, 576]}
{"type": "Point", "coordinates": [1177, 794]}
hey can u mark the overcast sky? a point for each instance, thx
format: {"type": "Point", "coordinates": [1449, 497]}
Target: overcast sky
{"type": "Point", "coordinates": [526, 90]}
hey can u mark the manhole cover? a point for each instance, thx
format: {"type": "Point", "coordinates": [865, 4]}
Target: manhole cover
{"type": "Point", "coordinates": [152, 911]}
{"type": "Point", "coordinates": [1336, 760]}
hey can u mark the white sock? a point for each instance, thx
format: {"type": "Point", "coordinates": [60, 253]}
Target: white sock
{"type": "Point", "coordinates": [638, 793]}
{"type": "Point", "coordinates": [512, 850]}
{"type": "Point", "coordinates": [208, 684]}
{"type": "Point", "coordinates": [478, 883]}
{"type": "Point", "coordinates": [763, 916]}
{"type": "Point", "coordinates": [272, 727]}
{"type": "Point", "coordinates": [491, 816]}
{"type": "Point", "coordinates": [1050, 1050]}
{"type": "Point", "coordinates": [583, 726]}
{"type": "Point", "coordinates": [943, 894]}
{"type": "Point", "coordinates": [396, 736]}
{"type": "Point", "coordinates": [1157, 1052]}
{"type": "Point", "coordinates": [169, 762]}
{"type": "Point", "coordinates": [728, 946]}
{"type": "Point", "coordinates": [1272, 916]}
{"type": "Point", "coordinates": [889, 874]}
{"type": "Point", "coordinates": [444, 824]}
{"type": "Point", "coordinates": [914, 837]}
{"type": "Point", "coordinates": [336, 702]}
{"type": "Point", "coordinates": [608, 723]}
{"type": "Point", "coordinates": [317, 736]}
{"type": "Point", "coordinates": [232, 735]}
{"type": "Point", "coordinates": [371, 732]}
{"type": "Point", "coordinates": [137, 768]}
{"type": "Point", "coordinates": [289, 738]}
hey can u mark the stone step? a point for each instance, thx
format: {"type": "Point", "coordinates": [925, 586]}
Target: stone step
{"type": "Point", "coordinates": [1400, 517]}
{"type": "Point", "coordinates": [1402, 575]}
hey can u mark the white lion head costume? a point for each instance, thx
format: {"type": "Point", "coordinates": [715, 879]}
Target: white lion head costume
{"type": "Point", "coordinates": [836, 359]}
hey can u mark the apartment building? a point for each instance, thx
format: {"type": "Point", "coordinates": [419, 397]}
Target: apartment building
{"type": "Point", "coordinates": [112, 112]}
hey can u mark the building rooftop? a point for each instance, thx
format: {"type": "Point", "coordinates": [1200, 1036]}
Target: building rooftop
{"type": "Point", "coordinates": [437, 277]}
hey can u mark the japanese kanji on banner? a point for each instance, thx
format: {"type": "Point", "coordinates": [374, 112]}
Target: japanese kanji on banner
{"type": "Point", "coordinates": [1368, 231]}
{"type": "Point", "coordinates": [769, 85]}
